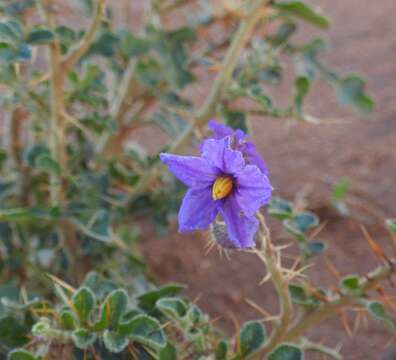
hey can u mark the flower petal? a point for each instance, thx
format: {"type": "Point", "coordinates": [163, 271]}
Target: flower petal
{"type": "Point", "coordinates": [219, 130]}
{"type": "Point", "coordinates": [219, 154]}
{"type": "Point", "coordinates": [197, 210]}
{"type": "Point", "coordinates": [241, 229]}
{"type": "Point", "coordinates": [253, 189]}
{"type": "Point", "coordinates": [252, 156]}
{"type": "Point", "coordinates": [193, 171]}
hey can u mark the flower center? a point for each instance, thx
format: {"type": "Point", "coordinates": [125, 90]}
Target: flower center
{"type": "Point", "coordinates": [222, 187]}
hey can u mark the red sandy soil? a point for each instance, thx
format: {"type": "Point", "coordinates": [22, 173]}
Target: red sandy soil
{"type": "Point", "coordinates": [304, 159]}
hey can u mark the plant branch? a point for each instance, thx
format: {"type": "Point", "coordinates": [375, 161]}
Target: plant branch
{"type": "Point", "coordinates": [57, 123]}
{"type": "Point", "coordinates": [121, 104]}
{"type": "Point", "coordinates": [78, 51]}
{"type": "Point", "coordinates": [332, 306]}
{"type": "Point", "coordinates": [307, 345]}
{"type": "Point", "coordinates": [270, 257]}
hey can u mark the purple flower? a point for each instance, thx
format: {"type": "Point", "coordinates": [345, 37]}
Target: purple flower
{"type": "Point", "coordinates": [220, 181]}
{"type": "Point", "coordinates": [238, 142]}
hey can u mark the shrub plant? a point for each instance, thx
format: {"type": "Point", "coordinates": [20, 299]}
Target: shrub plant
{"type": "Point", "coordinates": [74, 185]}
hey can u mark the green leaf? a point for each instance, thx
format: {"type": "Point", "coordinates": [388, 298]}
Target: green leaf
{"type": "Point", "coordinates": [168, 352]}
{"type": "Point", "coordinates": [17, 215]}
{"type": "Point", "coordinates": [286, 352]}
{"type": "Point", "coordinates": [298, 294]}
{"type": "Point", "coordinates": [42, 328]}
{"type": "Point", "coordinates": [148, 300]}
{"type": "Point", "coordinates": [285, 31]}
{"type": "Point", "coordinates": [350, 90]}
{"type": "Point", "coordinates": [47, 163]}
{"type": "Point", "coordinates": [235, 119]}
{"type": "Point", "coordinates": [114, 342]}
{"type": "Point", "coordinates": [316, 247]}
{"type": "Point", "coordinates": [20, 52]}
{"type": "Point", "coordinates": [11, 30]}
{"type": "Point", "coordinates": [340, 189]}
{"type": "Point", "coordinates": [302, 86]}
{"type": "Point", "coordinates": [391, 225]}
{"type": "Point", "coordinates": [3, 157]}
{"type": "Point", "coordinates": [195, 316]}
{"type": "Point", "coordinates": [105, 45]}
{"type": "Point", "coordinates": [173, 55]}
{"type": "Point", "coordinates": [149, 73]}
{"type": "Point", "coordinates": [174, 308]}
{"type": "Point", "coordinates": [67, 319]}
{"type": "Point", "coordinates": [21, 354]}
{"type": "Point", "coordinates": [292, 228]}
{"type": "Point", "coordinates": [82, 338]}
{"type": "Point", "coordinates": [280, 209]}
{"type": "Point", "coordinates": [302, 11]}
{"type": "Point", "coordinates": [103, 322]}
{"type": "Point", "coordinates": [116, 304]}
{"type": "Point", "coordinates": [251, 337]}
{"type": "Point", "coordinates": [12, 333]}
{"type": "Point", "coordinates": [171, 123]}
{"type": "Point", "coordinates": [144, 329]}
{"type": "Point", "coordinates": [305, 221]}
{"type": "Point", "coordinates": [221, 350]}
{"type": "Point", "coordinates": [351, 284]}
{"type": "Point", "coordinates": [378, 311]}
{"type": "Point", "coordinates": [40, 36]}
{"type": "Point", "coordinates": [84, 302]}
{"type": "Point", "coordinates": [131, 45]}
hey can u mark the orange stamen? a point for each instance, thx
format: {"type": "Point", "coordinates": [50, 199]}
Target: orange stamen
{"type": "Point", "coordinates": [222, 187]}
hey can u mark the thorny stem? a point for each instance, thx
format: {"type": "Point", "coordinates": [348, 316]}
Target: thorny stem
{"type": "Point", "coordinates": [208, 110]}
{"type": "Point", "coordinates": [339, 301]}
{"type": "Point", "coordinates": [307, 345]}
{"type": "Point", "coordinates": [270, 257]}
{"type": "Point", "coordinates": [285, 331]}
{"type": "Point", "coordinates": [59, 67]}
